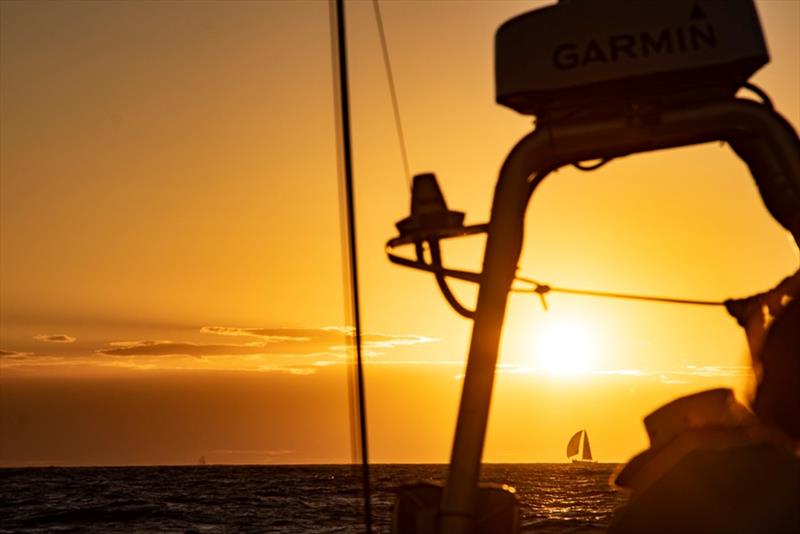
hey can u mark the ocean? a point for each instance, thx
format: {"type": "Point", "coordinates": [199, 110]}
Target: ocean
{"type": "Point", "coordinates": [554, 498]}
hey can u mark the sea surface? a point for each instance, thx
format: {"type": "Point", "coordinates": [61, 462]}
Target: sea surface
{"type": "Point", "coordinates": [281, 499]}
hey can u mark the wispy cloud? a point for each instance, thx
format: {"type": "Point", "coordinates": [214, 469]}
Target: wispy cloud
{"type": "Point", "coordinates": [623, 372]}
{"type": "Point", "coordinates": [284, 364]}
{"type": "Point", "coordinates": [665, 376]}
{"type": "Point", "coordinates": [12, 354]}
{"type": "Point", "coordinates": [282, 346]}
{"type": "Point", "coordinates": [293, 351]}
{"type": "Point", "coordinates": [54, 338]}
{"type": "Point", "coordinates": [252, 452]}
{"type": "Point", "coordinates": [264, 334]}
{"type": "Point", "coordinates": [322, 343]}
{"type": "Point", "coordinates": [170, 348]}
{"type": "Point", "coordinates": [667, 379]}
{"type": "Point", "coordinates": [330, 335]}
{"type": "Point", "coordinates": [289, 369]}
{"type": "Point", "coordinates": [327, 341]}
{"type": "Point", "coordinates": [11, 359]}
{"type": "Point", "coordinates": [718, 370]}
{"type": "Point", "coordinates": [688, 371]}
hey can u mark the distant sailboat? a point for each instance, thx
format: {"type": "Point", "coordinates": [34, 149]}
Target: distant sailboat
{"type": "Point", "coordinates": [573, 448]}
{"type": "Point", "coordinates": [201, 461]}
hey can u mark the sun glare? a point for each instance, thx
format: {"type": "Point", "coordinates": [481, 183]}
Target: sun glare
{"type": "Point", "coordinates": [564, 347]}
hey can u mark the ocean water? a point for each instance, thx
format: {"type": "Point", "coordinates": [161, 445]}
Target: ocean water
{"type": "Point", "coordinates": [280, 499]}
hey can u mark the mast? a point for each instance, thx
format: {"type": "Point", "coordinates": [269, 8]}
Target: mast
{"type": "Point", "coordinates": [345, 157]}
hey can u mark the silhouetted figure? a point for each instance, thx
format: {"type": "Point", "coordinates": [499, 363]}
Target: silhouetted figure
{"type": "Point", "coordinates": [749, 312]}
{"type": "Point", "coordinates": [713, 465]}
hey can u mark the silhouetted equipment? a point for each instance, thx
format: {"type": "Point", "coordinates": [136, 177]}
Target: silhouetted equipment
{"type": "Point", "coordinates": [429, 222]}
{"type": "Point", "coordinates": [587, 54]}
{"type": "Point", "coordinates": [429, 217]}
{"type": "Point", "coordinates": [606, 80]}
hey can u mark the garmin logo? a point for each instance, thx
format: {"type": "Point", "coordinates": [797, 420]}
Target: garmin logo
{"type": "Point", "coordinates": [635, 46]}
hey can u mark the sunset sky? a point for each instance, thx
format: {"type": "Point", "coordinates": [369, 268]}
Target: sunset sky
{"type": "Point", "coordinates": [171, 277]}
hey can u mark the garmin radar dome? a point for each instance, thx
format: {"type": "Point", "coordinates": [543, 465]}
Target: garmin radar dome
{"type": "Point", "coordinates": [585, 52]}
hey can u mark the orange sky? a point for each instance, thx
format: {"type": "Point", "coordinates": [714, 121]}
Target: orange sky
{"type": "Point", "coordinates": [170, 253]}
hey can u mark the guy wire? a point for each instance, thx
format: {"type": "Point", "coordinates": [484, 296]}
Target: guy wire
{"type": "Point", "coordinates": [395, 106]}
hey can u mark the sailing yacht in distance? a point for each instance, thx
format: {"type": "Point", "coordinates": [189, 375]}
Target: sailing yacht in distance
{"type": "Point", "coordinates": [573, 448]}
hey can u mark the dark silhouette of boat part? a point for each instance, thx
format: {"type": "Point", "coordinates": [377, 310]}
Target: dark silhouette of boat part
{"type": "Point", "coordinates": [604, 80]}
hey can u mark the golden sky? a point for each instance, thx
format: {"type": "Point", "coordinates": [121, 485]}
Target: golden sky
{"type": "Point", "coordinates": [170, 248]}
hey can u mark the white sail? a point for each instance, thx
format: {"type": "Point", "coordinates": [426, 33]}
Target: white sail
{"type": "Point", "coordinates": [587, 451]}
{"type": "Point", "coordinates": [574, 443]}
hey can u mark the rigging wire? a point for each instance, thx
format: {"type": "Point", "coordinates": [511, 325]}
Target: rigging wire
{"type": "Point", "coordinates": [737, 307]}
{"type": "Point", "coordinates": [339, 43]}
{"type": "Point", "coordinates": [543, 289]}
{"type": "Point", "coordinates": [395, 105]}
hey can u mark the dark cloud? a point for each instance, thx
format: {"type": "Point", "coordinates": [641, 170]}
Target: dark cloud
{"type": "Point", "coordinates": [55, 338]}
{"type": "Point", "coordinates": [9, 353]}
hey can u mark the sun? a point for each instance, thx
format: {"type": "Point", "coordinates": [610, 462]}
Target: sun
{"type": "Point", "coordinates": [564, 347]}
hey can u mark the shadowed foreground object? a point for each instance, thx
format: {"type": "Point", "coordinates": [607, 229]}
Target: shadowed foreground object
{"type": "Point", "coordinates": [713, 466]}
{"type": "Point", "coordinates": [777, 400]}
{"type": "Point", "coordinates": [169, 276]}
{"type": "Point", "coordinates": [737, 490]}
{"type": "Point", "coordinates": [599, 94]}
{"type": "Point", "coordinates": [417, 507]}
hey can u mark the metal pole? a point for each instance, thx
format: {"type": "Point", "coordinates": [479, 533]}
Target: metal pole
{"type": "Point", "coordinates": [346, 151]}
{"type": "Point", "coordinates": [503, 246]}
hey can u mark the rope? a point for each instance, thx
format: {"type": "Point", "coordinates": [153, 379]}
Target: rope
{"type": "Point", "coordinates": [543, 289]}
{"type": "Point", "coordinates": [395, 106]}
{"type": "Point", "coordinates": [740, 308]}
